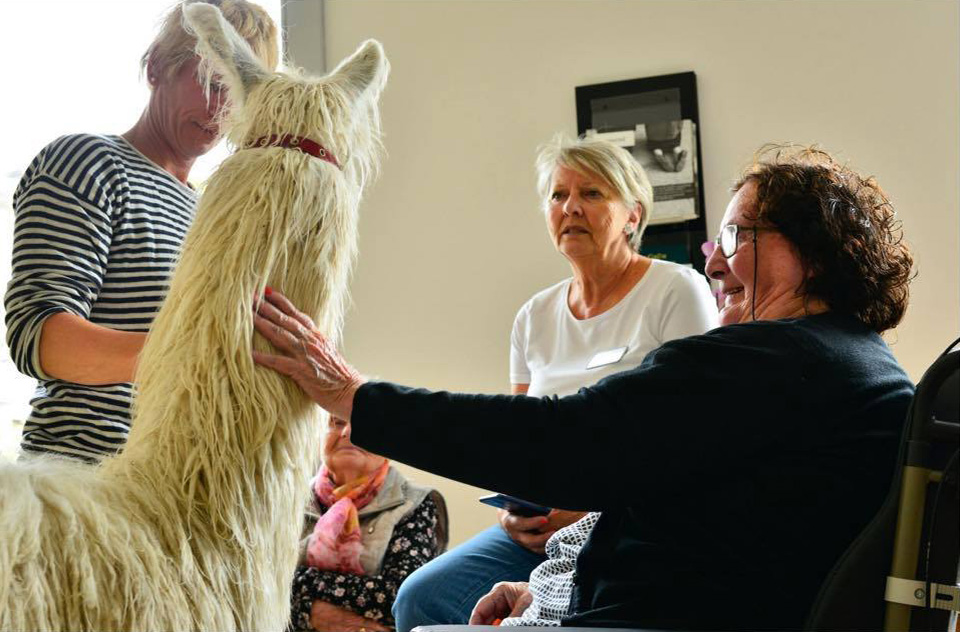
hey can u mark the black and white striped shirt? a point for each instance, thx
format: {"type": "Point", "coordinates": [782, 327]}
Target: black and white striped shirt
{"type": "Point", "coordinates": [98, 231]}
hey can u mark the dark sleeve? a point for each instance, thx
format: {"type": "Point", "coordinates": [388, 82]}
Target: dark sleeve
{"type": "Point", "coordinates": [61, 240]}
{"type": "Point", "coordinates": [647, 430]}
{"type": "Point", "coordinates": [413, 544]}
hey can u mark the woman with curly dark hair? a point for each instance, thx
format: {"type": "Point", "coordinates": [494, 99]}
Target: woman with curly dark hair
{"type": "Point", "coordinates": [732, 469]}
{"type": "Point", "coordinates": [842, 226]}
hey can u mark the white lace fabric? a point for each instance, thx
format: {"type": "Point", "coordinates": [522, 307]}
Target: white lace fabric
{"type": "Point", "coordinates": [551, 583]}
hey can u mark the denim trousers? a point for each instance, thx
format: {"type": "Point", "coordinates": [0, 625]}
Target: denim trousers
{"type": "Point", "coordinates": [445, 590]}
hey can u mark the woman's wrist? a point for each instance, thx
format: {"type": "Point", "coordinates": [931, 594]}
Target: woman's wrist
{"type": "Point", "coordinates": [345, 399]}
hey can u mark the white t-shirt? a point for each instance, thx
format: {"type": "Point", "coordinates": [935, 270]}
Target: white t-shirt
{"type": "Point", "coordinates": [550, 349]}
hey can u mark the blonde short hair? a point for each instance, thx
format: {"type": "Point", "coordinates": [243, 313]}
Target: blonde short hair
{"type": "Point", "coordinates": [618, 169]}
{"type": "Point", "coordinates": [173, 46]}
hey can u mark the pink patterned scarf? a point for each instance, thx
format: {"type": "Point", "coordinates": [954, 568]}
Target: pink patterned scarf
{"type": "Point", "coordinates": [335, 544]}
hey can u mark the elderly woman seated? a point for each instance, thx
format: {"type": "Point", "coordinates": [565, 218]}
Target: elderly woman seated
{"type": "Point", "coordinates": [368, 528]}
{"type": "Point", "coordinates": [733, 468]}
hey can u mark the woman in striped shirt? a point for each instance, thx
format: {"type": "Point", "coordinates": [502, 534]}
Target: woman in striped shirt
{"type": "Point", "coordinates": [99, 225]}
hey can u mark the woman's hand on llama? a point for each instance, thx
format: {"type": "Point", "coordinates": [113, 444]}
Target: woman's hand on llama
{"type": "Point", "coordinates": [307, 355]}
{"type": "Point", "coordinates": [326, 616]}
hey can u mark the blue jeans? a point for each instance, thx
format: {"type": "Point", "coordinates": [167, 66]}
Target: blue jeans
{"type": "Point", "coordinates": [445, 590]}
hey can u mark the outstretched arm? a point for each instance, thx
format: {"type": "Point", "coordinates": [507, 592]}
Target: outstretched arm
{"type": "Point", "coordinates": [661, 417]}
{"type": "Point", "coordinates": [528, 463]}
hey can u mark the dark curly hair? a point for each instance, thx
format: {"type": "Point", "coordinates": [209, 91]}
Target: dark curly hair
{"type": "Point", "coordinates": [843, 226]}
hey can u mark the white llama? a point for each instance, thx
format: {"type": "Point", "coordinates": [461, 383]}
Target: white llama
{"type": "Point", "coordinates": [195, 524]}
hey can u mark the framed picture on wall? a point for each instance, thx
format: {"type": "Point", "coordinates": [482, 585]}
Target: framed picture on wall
{"type": "Point", "coordinates": [657, 120]}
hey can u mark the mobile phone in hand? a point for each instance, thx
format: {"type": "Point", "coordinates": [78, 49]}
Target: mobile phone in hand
{"type": "Point", "coordinates": [514, 505]}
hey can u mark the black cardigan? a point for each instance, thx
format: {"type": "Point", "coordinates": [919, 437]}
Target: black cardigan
{"type": "Point", "coordinates": [732, 468]}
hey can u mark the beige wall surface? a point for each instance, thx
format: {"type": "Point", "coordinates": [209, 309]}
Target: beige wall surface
{"type": "Point", "coordinates": [452, 242]}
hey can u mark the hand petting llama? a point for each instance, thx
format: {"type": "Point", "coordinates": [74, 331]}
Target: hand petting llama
{"type": "Point", "coordinates": [195, 524]}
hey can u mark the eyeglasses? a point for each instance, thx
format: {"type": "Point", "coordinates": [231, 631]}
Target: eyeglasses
{"type": "Point", "coordinates": [729, 239]}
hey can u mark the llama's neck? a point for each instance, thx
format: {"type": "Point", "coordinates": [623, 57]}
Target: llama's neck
{"type": "Point", "coordinates": [209, 425]}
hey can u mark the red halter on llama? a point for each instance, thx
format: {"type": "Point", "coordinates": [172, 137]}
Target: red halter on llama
{"type": "Point", "coordinates": [195, 524]}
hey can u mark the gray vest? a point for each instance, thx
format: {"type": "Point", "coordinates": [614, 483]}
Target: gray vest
{"type": "Point", "coordinates": [397, 498]}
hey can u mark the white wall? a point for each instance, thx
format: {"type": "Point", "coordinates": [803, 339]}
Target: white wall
{"type": "Point", "coordinates": [451, 239]}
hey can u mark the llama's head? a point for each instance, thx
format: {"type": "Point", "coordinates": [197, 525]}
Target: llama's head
{"type": "Point", "coordinates": [275, 215]}
{"type": "Point", "coordinates": [338, 111]}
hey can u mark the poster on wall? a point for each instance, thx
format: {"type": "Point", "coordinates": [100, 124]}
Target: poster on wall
{"type": "Point", "coordinates": [657, 120]}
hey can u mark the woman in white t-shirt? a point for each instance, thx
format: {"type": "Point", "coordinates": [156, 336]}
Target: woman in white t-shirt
{"type": "Point", "coordinates": [617, 307]}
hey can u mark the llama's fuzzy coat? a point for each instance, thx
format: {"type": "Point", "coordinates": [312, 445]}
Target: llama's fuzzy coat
{"type": "Point", "coordinates": [195, 524]}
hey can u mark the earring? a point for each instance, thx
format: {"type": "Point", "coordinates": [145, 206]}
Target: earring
{"type": "Point", "coordinates": [628, 230]}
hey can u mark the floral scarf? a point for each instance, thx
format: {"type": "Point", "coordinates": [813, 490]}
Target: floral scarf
{"type": "Point", "coordinates": [335, 544]}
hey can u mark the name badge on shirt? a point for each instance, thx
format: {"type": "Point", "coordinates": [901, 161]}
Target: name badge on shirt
{"type": "Point", "coordinates": [603, 358]}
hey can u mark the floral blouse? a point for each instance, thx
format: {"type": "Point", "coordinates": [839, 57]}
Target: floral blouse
{"type": "Point", "coordinates": [414, 543]}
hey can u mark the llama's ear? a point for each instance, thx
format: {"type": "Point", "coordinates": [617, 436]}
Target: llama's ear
{"type": "Point", "coordinates": [222, 50]}
{"type": "Point", "coordinates": [364, 73]}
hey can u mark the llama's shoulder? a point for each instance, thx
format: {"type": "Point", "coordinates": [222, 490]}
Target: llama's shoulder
{"type": "Point", "coordinates": [30, 488]}
{"type": "Point", "coordinates": [43, 471]}
{"type": "Point", "coordinates": [53, 496]}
